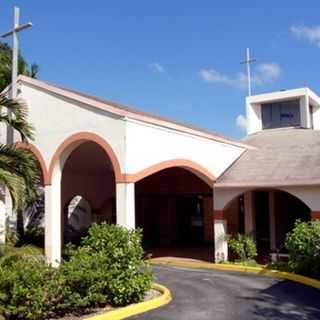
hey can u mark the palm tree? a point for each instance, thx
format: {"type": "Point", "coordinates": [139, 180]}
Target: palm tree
{"type": "Point", "coordinates": [6, 66]}
{"type": "Point", "coordinates": [19, 169]}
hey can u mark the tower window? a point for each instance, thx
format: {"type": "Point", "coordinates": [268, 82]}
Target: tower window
{"type": "Point", "coordinates": [281, 114]}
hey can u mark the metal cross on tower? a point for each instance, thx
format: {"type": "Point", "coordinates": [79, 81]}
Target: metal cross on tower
{"type": "Point", "coordinates": [15, 48]}
{"type": "Point", "coordinates": [248, 61]}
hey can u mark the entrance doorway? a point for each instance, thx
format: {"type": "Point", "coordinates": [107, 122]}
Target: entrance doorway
{"type": "Point", "coordinates": [274, 215]}
{"type": "Point", "coordinates": [174, 208]}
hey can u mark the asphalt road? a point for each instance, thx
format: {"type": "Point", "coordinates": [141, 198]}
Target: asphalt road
{"type": "Point", "coordinates": [220, 295]}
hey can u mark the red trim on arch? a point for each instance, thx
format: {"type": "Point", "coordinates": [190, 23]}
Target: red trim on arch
{"type": "Point", "coordinates": [315, 215]}
{"type": "Point", "coordinates": [195, 168]}
{"type": "Point", "coordinates": [88, 136]}
{"type": "Point", "coordinates": [218, 215]}
{"type": "Point", "coordinates": [38, 155]}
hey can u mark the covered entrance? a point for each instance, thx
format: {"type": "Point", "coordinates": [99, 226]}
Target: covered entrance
{"type": "Point", "coordinates": [174, 209]}
{"type": "Point", "coordinates": [267, 216]}
{"type": "Point", "coordinates": [87, 190]}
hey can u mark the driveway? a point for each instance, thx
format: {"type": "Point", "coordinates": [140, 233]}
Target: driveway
{"type": "Point", "coordinates": [220, 295]}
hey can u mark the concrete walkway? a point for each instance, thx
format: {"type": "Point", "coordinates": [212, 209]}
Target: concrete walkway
{"type": "Point", "coordinates": [220, 295]}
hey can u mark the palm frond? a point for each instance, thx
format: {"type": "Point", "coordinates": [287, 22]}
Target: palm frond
{"type": "Point", "coordinates": [21, 165]}
{"type": "Point", "coordinates": [16, 187]}
{"type": "Point", "coordinates": [15, 113]}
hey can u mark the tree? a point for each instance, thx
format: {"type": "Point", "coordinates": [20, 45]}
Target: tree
{"type": "Point", "coordinates": [6, 66]}
{"type": "Point", "coordinates": [19, 169]}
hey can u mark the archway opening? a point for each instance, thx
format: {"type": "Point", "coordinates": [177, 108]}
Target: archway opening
{"type": "Point", "coordinates": [272, 215]}
{"type": "Point", "coordinates": [174, 209]}
{"type": "Point", "coordinates": [87, 190]}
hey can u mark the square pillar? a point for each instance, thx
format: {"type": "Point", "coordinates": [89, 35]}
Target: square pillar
{"type": "Point", "coordinates": [220, 234]}
{"type": "Point", "coordinates": [249, 215]}
{"type": "Point", "coordinates": [272, 222]}
{"type": "Point", "coordinates": [52, 196]}
{"type": "Point", "coordinates": [125, 202]}
{"type": "Point", "coordinates": [305, 112]}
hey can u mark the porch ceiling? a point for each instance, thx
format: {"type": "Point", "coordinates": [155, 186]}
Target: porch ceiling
{"type": "Point", "coordinates": [282, 157]}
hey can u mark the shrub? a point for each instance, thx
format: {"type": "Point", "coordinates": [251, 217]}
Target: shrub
{"type": "Point", "coordinates": [243, 246]}
{"type": "Point", "coordinates": [107, 269]}
{"type": "Point", "coordinates": [25, 250]}
{"type": "Point", "coordinates": [29, 288]}
{"type": "Point", "coordinates": [129, 276]}
{"type": "Point", "coordinates": [303, 245]}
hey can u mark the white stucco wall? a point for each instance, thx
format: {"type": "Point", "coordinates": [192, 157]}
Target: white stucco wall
{"type": "Point", "coordinates": [316, 117]}
{"type": "Point", "coordinates": [309, 195]}
{"type": "Point", "coordinates": [56, 118]}
{"type": "Point", "coordinates": [138, 145]}
{"type": "Point", "coordinates": [223, 196]}
{"type": "Point", "coordinates": [147, 145]}
{"type": "Point", "coordinates": [254, 118]}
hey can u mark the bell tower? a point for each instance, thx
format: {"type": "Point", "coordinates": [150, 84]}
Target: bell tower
{"type": "Point", "coordinates": [296, 108]}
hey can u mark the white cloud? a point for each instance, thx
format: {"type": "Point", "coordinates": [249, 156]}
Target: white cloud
{"type": "Point", "coordinates": [241, 122]}
{"type": "Point", "coordinates": [157, 67]}
{"type": "Point", "coordinates": [266, 73]}
{"type": "Point", "coordinates": [211, 75]}
{"type": "Point", "coordinates": [261, 75]}
{"type": "Point", "coordinates": [312, 34]}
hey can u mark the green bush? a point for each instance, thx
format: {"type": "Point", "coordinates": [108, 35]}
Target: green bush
{"type": "Point", "coordinates": [243, 246]}
{"type": "Point", "coordinates": [115, 257]}
{"type": "Point", "coordinates": [25, 250]}
{"type": "Point", "coordinates": [29, 288]}
{"type": "Point", "coordinates": [303, 245]}
{"type": "Point", "coordinates": [107, 269]}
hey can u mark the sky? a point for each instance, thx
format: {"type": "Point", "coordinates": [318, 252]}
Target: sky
{"type": "Point", "coordinates": [179, 59]}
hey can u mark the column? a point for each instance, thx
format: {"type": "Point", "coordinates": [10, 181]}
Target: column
{"type": "Point", "coordinates": [272, 222]}
{"type": "Point", "coordinates": [207, 219]}
{"type": "Point", "coordinates": [305, 112]}
{"type": "Point", "coordinates": [125, 202]}
{"type": "Point", "coordinates": [249, 215]}
{"type": "Point", "coordinates": [220, 233]}
{"type": "Point", "coordinates": [52, 196]}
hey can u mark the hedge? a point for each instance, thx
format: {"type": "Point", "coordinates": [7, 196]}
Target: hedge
{"type": "Point", "coordinates": [108, 268]}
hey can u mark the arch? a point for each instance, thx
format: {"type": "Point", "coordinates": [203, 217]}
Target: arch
{"type": "Point", "coordinates": [242, 191]}
{"type": "Point", "coordinates": [82, 137]}
{"type": "Point", "coordinates": [191, 166]}
{"type": "Point", "coordinates": [32, 148]}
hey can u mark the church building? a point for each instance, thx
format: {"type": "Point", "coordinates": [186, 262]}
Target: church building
{"type": "Point", "coordinates": [185, 187]}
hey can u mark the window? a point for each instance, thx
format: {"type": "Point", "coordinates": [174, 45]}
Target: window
{"type": "Point", "coordinates": [281, 114]}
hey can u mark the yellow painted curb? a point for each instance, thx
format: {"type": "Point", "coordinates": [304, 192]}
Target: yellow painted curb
{"type": "Point", "coordinates": [137, 308]}
{"type": "Point", "coordinates": [237, 268]}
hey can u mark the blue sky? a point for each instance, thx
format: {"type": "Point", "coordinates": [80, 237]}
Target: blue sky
{"type": "Point", "coordinates": [175, 58]}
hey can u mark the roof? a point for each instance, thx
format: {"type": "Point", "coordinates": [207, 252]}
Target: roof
{"type": "Point", "coordinates": [126, 112]}
{"type": "Point", "coordinates": [283, 157]}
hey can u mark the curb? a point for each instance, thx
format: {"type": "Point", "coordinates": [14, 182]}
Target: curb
{"type": "Point", "coordinates": [137, 308]}
{"type": "Point", "coordinates": [237, 268]}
